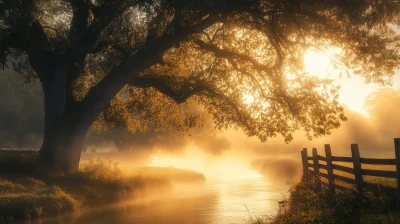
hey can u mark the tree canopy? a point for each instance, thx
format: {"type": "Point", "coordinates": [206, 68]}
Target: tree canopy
{"type": "Point", "coordinates": [148, 63]}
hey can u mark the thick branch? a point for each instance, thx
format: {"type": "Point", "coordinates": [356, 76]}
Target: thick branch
{"type": "Point", "coordinates": [100, 95]}
{"type": "Point", "coordinates": [39, 51]}
{"type": "Point", "coordinates": [80, 20]}
{"type": "Point", "coordinates": [153, 26]}
{"type": "Point", "coordinates": [180, 96]}
{"type": "Point", "coordinates": [230, 54]}
{"type": "Point", "coordinates": [183, 94]}
{"type": "Point", "coordinates": [147, 56]}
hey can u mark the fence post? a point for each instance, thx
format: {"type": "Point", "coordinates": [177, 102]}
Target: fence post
{"type": "Point", "coordinates": [357, 167]}
{"type": "Point", "coordinates": [304, 158]}
{"type": "Point", "coordinates": [316, 167]}
{"type": "Point", "coordinates": [328, 155]}
{"type": "Point", "coordinates": [315, 161]}
{"type": "Point", "coordinates": [397, 156]}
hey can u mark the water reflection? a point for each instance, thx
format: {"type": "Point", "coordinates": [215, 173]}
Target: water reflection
{"type": "Point", "coordinates": [228, 202]}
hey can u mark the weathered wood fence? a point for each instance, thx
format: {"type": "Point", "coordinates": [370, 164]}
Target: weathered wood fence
{"type": "Point", "coordinates": [356, 171]}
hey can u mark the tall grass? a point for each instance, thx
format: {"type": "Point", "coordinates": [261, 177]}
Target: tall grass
{"type": "Point", "coordinates": [26, 192]}
{"type": "Point", "coordinates": [36, 204]}
{"type": "Point", "coordinates": [310, 202]}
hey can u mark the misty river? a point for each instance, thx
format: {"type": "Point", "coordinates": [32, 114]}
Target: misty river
{"type": "Point", "coordinates": [209, 203]}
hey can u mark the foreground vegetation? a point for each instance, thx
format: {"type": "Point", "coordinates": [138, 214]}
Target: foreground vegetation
{"type": "Point", "coordinates": [310, 202]}
{"type": "Point", "coordinates": [28, 191]}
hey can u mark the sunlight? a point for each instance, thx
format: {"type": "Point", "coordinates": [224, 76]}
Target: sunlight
{"type": "Point", "coordinates": [248, 99]}
{"type": "Point", "coordinates": [317, 63]}
{"type": "Point", "coordinates": [227, 167]}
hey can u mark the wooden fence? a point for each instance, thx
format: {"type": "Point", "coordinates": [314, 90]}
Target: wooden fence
{"type": "Point", "coordinates": [356, 171]}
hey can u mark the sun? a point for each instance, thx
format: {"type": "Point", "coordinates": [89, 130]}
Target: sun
{"type": "Point", "coordinates": [326, 65]}
{"type": "Point", "coordinates": [318, 63]}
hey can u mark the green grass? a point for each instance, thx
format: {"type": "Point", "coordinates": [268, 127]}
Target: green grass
{"type": "Point", "coordinates": [36, 204]}
{"type": "Point", "coordinates": [27, 192]}
{"type": "Point", "coordinates": [313, 203]}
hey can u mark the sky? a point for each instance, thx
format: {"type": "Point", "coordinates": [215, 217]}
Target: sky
{"type": "Point", "coordinates": [354, 90]}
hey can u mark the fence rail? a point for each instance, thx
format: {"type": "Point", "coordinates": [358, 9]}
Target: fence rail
{"type": "Point", "coordinates": [356, 170]}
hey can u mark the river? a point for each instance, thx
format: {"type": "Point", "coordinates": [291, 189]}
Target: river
{"type": "Point", "coordinates": [211, 203]}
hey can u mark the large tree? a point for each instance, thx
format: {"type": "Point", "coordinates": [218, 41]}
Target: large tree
{"type": "Point", "coordinates": [241, 59]}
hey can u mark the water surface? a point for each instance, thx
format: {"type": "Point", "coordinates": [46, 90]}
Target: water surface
{"type": "Point", "coordinates": [211, 203]}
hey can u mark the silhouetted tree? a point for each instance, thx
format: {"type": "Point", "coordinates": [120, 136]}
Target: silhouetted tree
{"type": "Point", "coordinates": [140, 62]}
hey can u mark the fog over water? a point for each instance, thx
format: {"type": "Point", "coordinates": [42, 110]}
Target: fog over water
{"type": "Point", "coordinates": [211, 203]}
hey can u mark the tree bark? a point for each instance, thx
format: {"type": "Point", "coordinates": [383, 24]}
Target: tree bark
{"type": "Point", "coordinates": [63, 144]}
{"type": "Point", "coordinates": [66, 124]}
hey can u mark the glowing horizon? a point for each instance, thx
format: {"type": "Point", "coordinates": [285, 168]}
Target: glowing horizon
{"type": "Point", "coordinates": [353, 90]}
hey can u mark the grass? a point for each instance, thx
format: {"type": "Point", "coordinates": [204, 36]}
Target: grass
{"type": "Point", "coordinates": [310, 202]}
{"type": "Point", "coordinates": [28, 192]}
{"type": "Point", "coordinates": [36, 204]}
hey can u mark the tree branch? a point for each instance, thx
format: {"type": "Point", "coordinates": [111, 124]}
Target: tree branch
{"type": "Point", "coordinates": [183, 94]}
{"type": "Point", "coordinates": [260, 87]}
{"type": "Point", "coordinates": [80, 20]}
{"type": "Point", "coordinates": [180, 96]}
{"type": "Point", "coordinates": [120, 75]}
{"type": "Point", "coordinates": [39, 51]}
{"type": "Point", "coordinates": [230, 54]}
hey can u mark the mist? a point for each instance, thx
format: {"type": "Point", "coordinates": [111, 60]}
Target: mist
{"type": "Point", "coordinates": [204, 149]}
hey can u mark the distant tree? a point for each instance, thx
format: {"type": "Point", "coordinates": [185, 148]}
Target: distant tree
{"type": "Point", "coordinates": [21, 110]}
{"type": "Point", "coordinates": [139, 63]}
{"type": "Point", "coordinates": [383, 106]}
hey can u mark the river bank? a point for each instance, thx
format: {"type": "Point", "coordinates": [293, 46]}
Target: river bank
{"type": "Point", "coordinates": [28, 192]}
{"type": "Point", "coordinates": [213, 202]}
{"type": "Point", "coordinates": [310, 202]}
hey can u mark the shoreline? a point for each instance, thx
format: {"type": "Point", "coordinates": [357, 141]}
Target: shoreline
{"type": "Point", "coordinates": [26, 192]}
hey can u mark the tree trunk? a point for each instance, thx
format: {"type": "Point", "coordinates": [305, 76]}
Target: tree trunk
{"type": "Point", "coordinates": [66, 123]}
{"type": "Point", "coordinates": [63, 144]}
{"type": "Point", "coordinates": [66, 126]}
